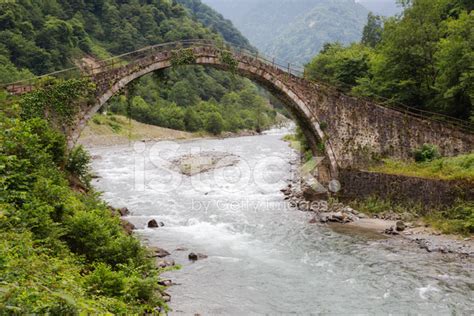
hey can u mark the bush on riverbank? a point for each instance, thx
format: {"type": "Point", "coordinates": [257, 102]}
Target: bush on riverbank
{"type": "Point", "coordinates": [458, 219]}
{"type": "Point", "coordinates": [61, 251]}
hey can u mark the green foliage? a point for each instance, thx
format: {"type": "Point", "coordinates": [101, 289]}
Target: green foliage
{"type": "Point", "coordinates": [423, 59]}
{"type": "Point", "coordinates": [298, 142]}
{"type": "Point", "coordinates": [77, 164]}
{"type": "Point", "coordinates": [47, 36]}
{"type": "Point", "coordinates": [214, 123]}
{"type": "Point", "coordinates": [227, 58]}
{"type": "Point", "coordinates": [372, 34]}
{"type": "Point", "coordinates": [456, 220]}
{"type": "Point", "coordinates": [426, 153]}
{"type": "Point", "coordinates": [62, 252]}
{"type": "Point", "coordinates": [183, 57]}
{"type": "Point", "coordinates": [187, 96]}
{"type": "Point", "coordinates": [339, 66]}
{"type": "Point", "coordinates": [57, 100]}
{"type": "Point", "coordinates": [192, 121]}
{"type": "Point", "coordinates": [376, 206]}
{"type": "Point", "coordinates": [447, 168]}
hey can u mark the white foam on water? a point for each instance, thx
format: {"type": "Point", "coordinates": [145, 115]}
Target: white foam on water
{"type": "Point", "coordinates": [423, 291]}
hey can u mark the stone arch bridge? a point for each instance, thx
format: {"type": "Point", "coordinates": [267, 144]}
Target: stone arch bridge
{"type": "Point", "coordinates": [349, 131]}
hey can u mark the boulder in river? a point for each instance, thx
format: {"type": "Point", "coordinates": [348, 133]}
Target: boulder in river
{"type": "Point", "coordinates": [123, 211]}
{"type": "Point", "coordinates": [159, 252]}
{"type": "Point", "coordinates": [163, 263]}
{"type": "Point", "coordinates": [154, 224]}
{"type": "Point", "coordinates": [196, 256]}
{"type": "Point", "coordinates": [165, 282]}
{"type": "Point", "coordinates": [127, 226]}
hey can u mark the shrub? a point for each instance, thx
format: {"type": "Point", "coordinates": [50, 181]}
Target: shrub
{"type": "Point", "coordinates": [426, 153]}
{"type": "Point", "coordinates": [104, 281]}
{"type": "Point", "coordinates": [78, 164]}
{"type": "Point", "coordinates": [215, 123]}
{"type": "Point", "coordinates": [97, 235]}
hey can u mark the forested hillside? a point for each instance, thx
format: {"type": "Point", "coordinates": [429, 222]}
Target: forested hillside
{"type": "Point", "coordinates": [423, 59]}
{"type": "Point", "coordinates": [294, 30]}
{"type": "Point", "coordinates": [38, 38]}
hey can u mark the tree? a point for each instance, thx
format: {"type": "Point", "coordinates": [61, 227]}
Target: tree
{"type": "Point", "coordinates": [215, 123]}
{"type": "Point", "coordinates": [182, 93]}
{"type": "Point", "coordinates": [192, 121]}
{"type": "Point", "coordinates": [372, 33]}
{"type": "Point", "coordinates": [455, 80]}
{"type": "Point", "coordinates": [340, 66]}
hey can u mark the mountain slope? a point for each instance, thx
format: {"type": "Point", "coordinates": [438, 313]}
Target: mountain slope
{"type": "Point", "coordinates": [382, 7]}
{"type": "Point", "coordinates": [215, 22]}
{"type": "Point", "coordinates": [294, 30]}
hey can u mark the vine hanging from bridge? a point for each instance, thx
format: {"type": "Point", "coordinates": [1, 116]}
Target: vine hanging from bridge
{"type": "Point", "coordinates": [183, 56]}
{"type": "Point", "coordinates": [57, 100]}
{"type": "Point", "coordinates": [227, 58]}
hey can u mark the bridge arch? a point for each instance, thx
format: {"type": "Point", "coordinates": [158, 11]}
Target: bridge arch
{"type": "Point", "coordinates": [272, 77]}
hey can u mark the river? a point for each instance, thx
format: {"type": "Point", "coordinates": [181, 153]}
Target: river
{"type": "Point", "coordinates": [264, 257]}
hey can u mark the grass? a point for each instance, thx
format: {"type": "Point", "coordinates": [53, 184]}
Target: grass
{"type": "Point", "coordinates": [116, 129]}
{"type": "Point", "coordinates": [448, 168]}
{"type": "Point", "coordinates": [458, 219]}
{"type": "Point", "coordinates": [299, 145]}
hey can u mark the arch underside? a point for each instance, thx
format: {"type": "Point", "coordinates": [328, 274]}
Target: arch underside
{"type": "Point", "coordinates": [298, 108]}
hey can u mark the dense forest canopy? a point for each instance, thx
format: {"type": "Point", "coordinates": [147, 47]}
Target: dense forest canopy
{"type": "Point", "coordinates": [294, 31]}
{"type": "Point", "coordinates": [37, 38]}
{"type": "Point", "coordinates": [422, 58]}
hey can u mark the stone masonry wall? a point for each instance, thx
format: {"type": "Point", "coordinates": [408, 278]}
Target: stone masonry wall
{"type": "Point", "coordinates": [426, 192]}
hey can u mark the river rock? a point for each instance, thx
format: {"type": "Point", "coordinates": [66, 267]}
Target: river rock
{"type": "Point", "coordinates": [400, 226]}
{"type": "Point", "coordinates": [166, 297]}
{"type": "Point", "coordinates": [313, 221]}
{"type": "Point", "coordinates": [123, 211]}
{"type": "Point", "coordinates": [154, 224]}
{"type": "Point", "coordinates": [202, 256]}
{"type": "Point", "coordinates": [163, 263]}
{"type": "Point", "coordinates": [391, 231]}
{"type": "Point", "coordinates": [338, 217]}
{"type": "Point", "coordinates": [196, 256]}
{"type": "Point", "coordinates": [165, 282]}
{"type": "Point", "coordinates": [324, 219]}
{"type": "Point", "coordinates": [127, 226]}
{"type": "Point", "coordinates": [159, 252]}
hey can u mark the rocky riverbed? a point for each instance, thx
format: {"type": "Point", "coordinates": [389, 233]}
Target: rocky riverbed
{"type": "Point", "coordinates": [329, 212]}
